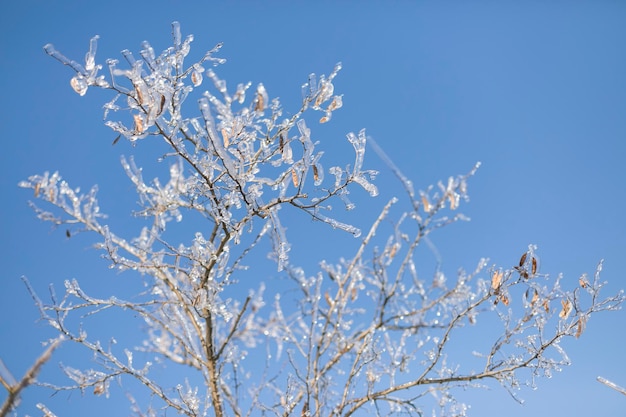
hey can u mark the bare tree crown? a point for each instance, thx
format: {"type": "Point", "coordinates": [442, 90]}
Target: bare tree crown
{"type": "Point", "coordinates": [368, 334]}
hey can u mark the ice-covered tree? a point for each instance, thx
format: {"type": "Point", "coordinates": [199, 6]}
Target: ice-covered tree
{"type": "Point", "coordinates": [362, 334]}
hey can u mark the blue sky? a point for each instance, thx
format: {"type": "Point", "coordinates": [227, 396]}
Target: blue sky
{"type": "Point", "coordinates": [536, 91]}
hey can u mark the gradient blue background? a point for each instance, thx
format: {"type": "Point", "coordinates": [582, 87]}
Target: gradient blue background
{"type": "Point", "coordinates": [536, 91]}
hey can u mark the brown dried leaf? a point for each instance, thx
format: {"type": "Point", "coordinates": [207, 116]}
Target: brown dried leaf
{"type": "Point", "coordinates": [98, 389]}
{"type": "Point", "coordinates": [546, 305]}
{"type": "Point", "coordinates": [426, 203]}
{"type": "Point", "coordinates": [328, 299]}
{"type": "Point", "coordinates": [453, 201]}
{"type": "Point", "coordinates": [393, 250]}
{"type": "Point", "coordinates": [523, 259]}
{"type": "Point", "coordinates": [37, 189]}
{"type": "Point", "coordinates": [583, 281]}
{"type": "Point", "coordinates": [225, 136]}
{"type": "Point", "coordinates": [260, 102]}
{"type": "Point", "coordinates": [535, 297]}
{"type": "Point", "coordinates": [533, 268]}
{"type": "Point", "coordinates": [566, 309]}
{"type": "Point", "coordinates": [195, 79]}
{"type": "Point", "coordinates": [316, 175]}
{"type": "Point", "coordinates": [294, 177]}
{"type": "Point", "coordinates": [580, 328]}
{"type": "Point", "coordinates": [138, 123]}
{"type": "Point", "coordinates": [505, 299]}
{"type": "Point", "coordinates": [496, 280]}
{"type": "Point", "coordinates": [139, 95]}
{"type": "Point", "coordinates": [161, 105]}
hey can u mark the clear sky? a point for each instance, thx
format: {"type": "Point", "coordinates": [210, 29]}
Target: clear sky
{"type": "Point", "coordinates": [536, 91]}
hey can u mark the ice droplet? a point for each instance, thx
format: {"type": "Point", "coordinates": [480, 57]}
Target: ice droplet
{"type": "Point", "coordinates": [79, 84]}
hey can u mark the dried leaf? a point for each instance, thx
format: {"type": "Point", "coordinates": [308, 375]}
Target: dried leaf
{"type": "Point", "coordinates": [196, 78]}
{"type": "Point", "coordinates": [535, 297]}
{"type": "Point", "coordinates": [394, 250]}
{"type": "Point", "coordinates": [260, 98]}
{"type": "Point", "coordinates": [294, 177]}
{"type": "Point", "coordinates": [583, 281]}
{"type": "Point", "coordinates": [532, 296]}
{"type": "Point", "coordinates": [138, 123]}
{"type": "Point", "coordinates": [496, 280]}
{"type": "Point", "coordinates": [453, 201]}
{"type": "Point", "coordinates": [580, 328]}
{"type": "Point", "coordinates": [225, 136]}
{"type": "Point", "coordinates": [37, 189]}
{"type": "Point", "coordinates": [504, 299]}
{"type": "Point", "coordinates": [328, 299]}
{"type": "Point", "coordinates": [161, 105]}
{"type": "Point", "coordinates": [139, 95]}
{"type": "Point", "coordinates": [98, 389]}
{"type": "Point", "coordinates": [523, 259]}
{"type": "Point", "coordinates": [546, 305]}
{"type": "Point", "coordinates": [426, 203]}
{"type": "Point", "coordinates": [316, 175]}
{"type": "Point", "coordinates": [566, 309]}
{"type": "Point", "coordinates": [533, 268]}
{"type": "Point", "coordinates": [324, 119]}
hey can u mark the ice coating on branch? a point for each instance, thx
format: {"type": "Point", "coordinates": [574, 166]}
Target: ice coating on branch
{"type": "Point", "coordinates": [85, 76]}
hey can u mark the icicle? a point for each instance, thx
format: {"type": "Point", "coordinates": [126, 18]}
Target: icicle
{"type": "Point", "coordinates": [356, 232]}
{"type": "Point", "coordinates": [358, 142]}
{"type": "Point", "coordinates": [49, 49]}
{"type": "Point", "coordinates": [338, 173]}
{"type": "Point", "coordinates": [176, 34]}
{"type": "Point", "coordinates": [368, 186]}
{"type": "Point", "coordinates": [90, 57]}
{"type": "Point", "coordinates": [281, 246]}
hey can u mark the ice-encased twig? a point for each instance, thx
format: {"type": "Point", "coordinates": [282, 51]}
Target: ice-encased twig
{"type": "Point", "coordinates": [612, 385]}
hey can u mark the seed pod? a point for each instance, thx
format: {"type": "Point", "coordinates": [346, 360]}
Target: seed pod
{"type": "Point", "coordinates": [534, 265]}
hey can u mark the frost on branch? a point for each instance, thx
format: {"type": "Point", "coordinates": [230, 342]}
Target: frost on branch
{"type": "Point", "coordinates": [365, 333]}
